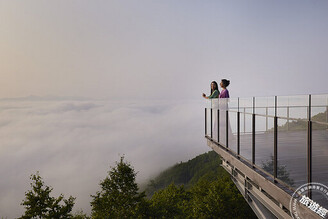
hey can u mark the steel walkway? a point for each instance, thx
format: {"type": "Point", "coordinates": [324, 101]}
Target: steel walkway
{"type": "Point", "coordinates": [270, 146]}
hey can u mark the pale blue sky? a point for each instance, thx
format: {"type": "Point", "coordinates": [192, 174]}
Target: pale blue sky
{"type": "Point", "coordinates": [162, 49]}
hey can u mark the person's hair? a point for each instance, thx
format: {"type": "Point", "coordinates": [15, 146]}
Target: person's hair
{"type": "Point", "coordinates": [225, 82]}
{"type": "Point", "coordinates": [215, 86]}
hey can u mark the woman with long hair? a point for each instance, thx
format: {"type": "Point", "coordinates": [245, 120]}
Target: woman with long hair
{"type": "Point", "coordinates": [214, 101]}
{"type": "Point", "coordinates": [214, 91]}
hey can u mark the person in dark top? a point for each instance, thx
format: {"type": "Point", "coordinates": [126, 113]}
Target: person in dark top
{"type": "Point", "coordinates": [224, 84]}
{"type": "Point", "coordinates": [214, 91]}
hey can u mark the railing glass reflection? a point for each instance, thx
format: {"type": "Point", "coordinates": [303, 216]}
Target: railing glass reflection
{"type": "Point", "coordinates": [247, 127]}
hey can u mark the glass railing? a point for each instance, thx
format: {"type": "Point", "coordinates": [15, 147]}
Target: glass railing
{"type": "Point", "coordinates": [286, 137]}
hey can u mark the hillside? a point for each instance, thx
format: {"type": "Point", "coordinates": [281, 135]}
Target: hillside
{"type": "Point", "coordinates": [198, 188]}
{"type": "Point", "coordinates": [206, 166]}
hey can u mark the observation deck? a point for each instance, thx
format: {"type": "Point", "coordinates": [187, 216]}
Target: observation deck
{"type": "Point", "coordinates": [271, 146]}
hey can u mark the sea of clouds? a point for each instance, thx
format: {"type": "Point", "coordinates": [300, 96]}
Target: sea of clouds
{"type": "Point", "coordinates": [73, 143]}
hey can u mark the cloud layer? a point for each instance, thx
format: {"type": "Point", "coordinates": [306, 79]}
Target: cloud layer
{"type": "Point", "coordinates": [73, 143]}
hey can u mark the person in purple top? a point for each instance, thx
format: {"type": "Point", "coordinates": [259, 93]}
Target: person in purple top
{"type": "Point", "coordinates": [224, 84]}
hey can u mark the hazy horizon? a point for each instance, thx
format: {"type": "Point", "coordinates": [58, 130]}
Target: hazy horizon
{"type": "Point", "coordinates": [162, 49]}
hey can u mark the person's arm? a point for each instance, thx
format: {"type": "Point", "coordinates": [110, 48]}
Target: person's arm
{"type": "Point", "coordinates": [215, 94]}
{"type": "Point", "coordinates": [204, 95]}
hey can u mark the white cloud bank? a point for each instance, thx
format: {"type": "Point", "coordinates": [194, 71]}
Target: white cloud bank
{"type": "Point", "coordinates": [73, 143]}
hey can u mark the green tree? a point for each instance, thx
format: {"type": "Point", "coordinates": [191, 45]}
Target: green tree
{"type": "Point", "coordinates": [171, 202]}
{"type": "Point", "coordinates": [39, 204]}
{"type": "Point", "coordinates": [219, 199]}
{"type": "Point", "coordinates": [119, 196]}
{"type": "Point", "coordinates": [80, 215]}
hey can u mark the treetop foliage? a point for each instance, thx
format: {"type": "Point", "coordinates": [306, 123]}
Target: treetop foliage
{"type": "Point", "coordinates": [39, 204]}
{"type": "Point", "coordinates": [210, 194]}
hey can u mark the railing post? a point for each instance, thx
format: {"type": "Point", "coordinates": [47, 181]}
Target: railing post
{"type": "Point", "coordinates": [309, 148]}
{"type": "Point", "coordinates": [218, 125]}
{"type": "Point", "coordinates": [212, 123]}
{"type": "Point", "coordinates": [253, 132]}
{"type": "Point", "coordinates": [266, 119]}
{"type": "Point", "coordinates": [327, 115]}
{"type": "Point", "coordinates": [238, 130]}
{"type": "Point", "coordinates": [227, 127]}
{"type": "Point", "coordinates": [275, 141]}
{"type": "Point", "coordinates": [253, 139]}
{"type": "Point", "coordinates": [244, 120]}
{"type": "Point", "coordinates": [205, 121]}
{"type": "Point", "coordinates": [327, 112]}
{"type": "Point", "coordinates": [287, 118]}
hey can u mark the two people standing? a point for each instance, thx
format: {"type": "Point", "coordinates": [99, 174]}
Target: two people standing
{"type": "Point", "coordinates": [219, 129]}
{"type": "Point", "coordinates": [215, 93]}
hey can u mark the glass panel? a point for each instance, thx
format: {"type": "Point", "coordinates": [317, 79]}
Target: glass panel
{"type": "Point", "coordinates": [222, 139]}
{"type": "Point", "coordinates": [297, 112]}
{"type": "Point", "coordinates": [292, 124]}
{"type": "Point", "coordinates": [246, 107]}
{"type": "Point", "coordinates": [246, 136]}
{"type": "Point", "coordinates": [320, 162]}
{"type": "Point", "coordinates": [293, 106]}
{"type": "Point", "coordinates": [233, 104]}
{"type": "Point", "coordinates": [214, 103]}
{"type": "Point", "coordinates": [208, 122]}
{"type": "Point", "coordinates": [232, 131]}
{"type": "Point", "coordinates": [260, 124]}
{"type": "Point", "coordinates": [215, 124]}
{"type": "Point", "coordinates": [264, 143]}
{"type": "Point", "coordinates": [319, 110]}
{"type": "Point", "coordinates": [208, 104]}
{"type": "Point", "coordinates": [223, 107]}
{"type": "Point", "coordinates": [245, 102]}
{"type": "Point", "coordinates": [282, 111]}
{"type": "Point", "coordinates": [263, 105]}
{"type": "Point", "coordinates": [292, 152]}
{"type": "Point", "coordinates": [319, 114]}
{"type": "Point", "coordinates": [263, 111]}
{"type": "Point", "coordinates": [319, 100]}
{"type": "Point", "coordinates": [271, 111]}
{"type": "Point", "coordinates": [294, 101]}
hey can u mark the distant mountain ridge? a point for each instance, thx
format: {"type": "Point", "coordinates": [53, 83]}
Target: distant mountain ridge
{"type": "Point", "coordinates": [45, 98]}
